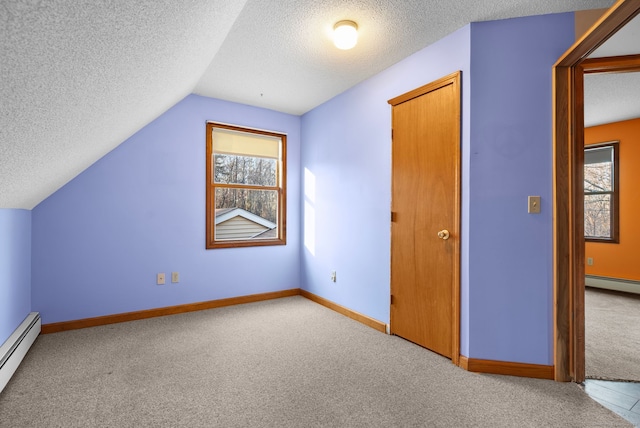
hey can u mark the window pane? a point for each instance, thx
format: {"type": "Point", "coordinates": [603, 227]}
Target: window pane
{"type": "Point", "coordinates": [244, 214]}
{"type": "Point", "coordinates": [253, 171]}
{"type": "Point", "coordinates": [598, 155]}
{"type": "Point", "coordinates": [598, 177]}
{"type": "Point", "coordinates": [597, 216]}
{"type": "Point", "coordinates": [246, 175]}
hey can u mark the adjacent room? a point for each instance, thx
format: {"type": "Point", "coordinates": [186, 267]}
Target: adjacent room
{"type": "Point", "coordinates": [214, 214]}
{"type": "Point", "coordinates": [612, 295]}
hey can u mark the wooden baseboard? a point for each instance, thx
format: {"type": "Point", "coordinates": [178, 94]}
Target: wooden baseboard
{"type": "Point", "coordinates": [170, 310]}
{"type": "Point", "coordinates": [506, 368]}
{"type": "Point", "coordinates": [368, 321]}
{"type": "Point", "coordinates": [470, 364]}
{"type": "Point", "coordinates": [191, 307]}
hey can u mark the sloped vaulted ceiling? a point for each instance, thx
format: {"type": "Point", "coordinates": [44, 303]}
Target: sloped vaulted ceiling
{"type": "Point", "coordinates": [279, 54]}
{"type": "Point", "coordinates": [78, 77]}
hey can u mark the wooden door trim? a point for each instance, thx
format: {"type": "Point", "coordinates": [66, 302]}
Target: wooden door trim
{"type": "Point", "coordinates": [568, 147]}
{"type": "Point", "coordinates": [612, 64]}
{"type": "Point", "coordinates": [453, 79]}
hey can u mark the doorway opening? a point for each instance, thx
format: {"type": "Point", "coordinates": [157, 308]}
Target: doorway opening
{"type": "Point", "coordinates": [569, 248]}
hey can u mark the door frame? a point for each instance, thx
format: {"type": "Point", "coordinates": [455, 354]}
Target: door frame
{"type": "Point", "coordinates": [454, 79]}
{"type": "Point", "coordinates": [568, 187]}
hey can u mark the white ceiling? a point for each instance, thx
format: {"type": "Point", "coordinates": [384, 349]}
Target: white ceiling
{"type": "Point", "coordinates": [624, 42]}
{"type": "Point", "coordinates": [611, 98]}
{"type": "Point", "coordinates": [79, 77]}
{"type": "Point", "coordinates": [614, 97]}
{"type": "Point", "coordinates": [282, 57]}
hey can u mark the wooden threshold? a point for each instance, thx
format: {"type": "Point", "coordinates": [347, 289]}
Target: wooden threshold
{"type": "Point", "coordinates": [507, 368]}
{"type": "Point", "coordinates": [368, 321]}
{"type": "Point", "coordinates": [159, 312]}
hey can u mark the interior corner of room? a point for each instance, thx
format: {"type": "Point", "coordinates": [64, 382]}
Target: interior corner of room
{"type": "Point", "coordinates": [106, 194]}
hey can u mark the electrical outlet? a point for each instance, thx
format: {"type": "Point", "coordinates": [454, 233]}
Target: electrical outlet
{"type": "Point", "coordinates": [589, 261]}
{"type": "Point", "coordinates": [175, 277]}
{"type": "Point", "coordinates": [333, 276]}
{"type": "Point", "coordinates": [160, 279]}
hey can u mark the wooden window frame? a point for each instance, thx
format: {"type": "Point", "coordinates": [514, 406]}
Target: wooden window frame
{"type": "Point", "coordinates": [615, 195]}
{"type": "Point", "coordinates": [211, 186]}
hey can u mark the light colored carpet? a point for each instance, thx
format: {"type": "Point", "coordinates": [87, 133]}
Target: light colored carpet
{"type": "Point", "coordinates": [279, 363]}
{"type": "Point", "coordinates": [612, 335]}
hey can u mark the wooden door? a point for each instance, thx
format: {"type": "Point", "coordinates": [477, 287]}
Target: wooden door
{"type": "Point", "coordinates": [425, 231]}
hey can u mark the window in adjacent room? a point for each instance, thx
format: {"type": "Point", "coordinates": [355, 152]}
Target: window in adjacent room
{"type": "Point", "coordinates": [246, 190]}
{"type": "Point", "coordinates": [601, 192]}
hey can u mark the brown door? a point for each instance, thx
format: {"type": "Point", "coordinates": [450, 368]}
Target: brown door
{"type": "Point", "coordinates": [425, 231]}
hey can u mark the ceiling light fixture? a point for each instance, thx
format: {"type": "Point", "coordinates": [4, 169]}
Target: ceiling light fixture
{"type": "Point", "coordinates": [345, 34]}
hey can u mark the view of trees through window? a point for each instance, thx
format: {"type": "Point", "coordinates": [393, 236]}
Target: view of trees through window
{"type": "Point", "coordinates": [597, 206]}
{"type": "Point", "coordinates": [599, 188]}
{"type": "Point", "coordinates": [246, 187]}
{"type": "Point", "coordinates": [250, 171]}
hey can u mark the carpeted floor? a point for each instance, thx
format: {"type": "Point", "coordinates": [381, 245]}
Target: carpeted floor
{"type": "Point", "coordinates": [279, 363]}
{"type": "Point", "coordinates": [612, 335]}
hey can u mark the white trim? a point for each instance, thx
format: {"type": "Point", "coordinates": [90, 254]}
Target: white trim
{"type": "Point", "coordinates": [246, 214]}
{"type": "Point", "coordinates": [16, 346]}
{"type": "Point", "coordinates": [625, 285]}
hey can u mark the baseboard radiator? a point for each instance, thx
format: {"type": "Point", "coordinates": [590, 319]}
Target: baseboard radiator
{"type": "Point", "coordinates": [15, 348]}
{"type": "Point", "coordinates": [625, 285]}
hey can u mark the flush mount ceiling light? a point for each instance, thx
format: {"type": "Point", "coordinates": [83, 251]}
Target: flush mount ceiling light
{"type": "Point", "coordinates": [345, 34]}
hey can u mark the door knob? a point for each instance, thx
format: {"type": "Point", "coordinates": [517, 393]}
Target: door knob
{"type": "Point", "coordinates": [443, 234]}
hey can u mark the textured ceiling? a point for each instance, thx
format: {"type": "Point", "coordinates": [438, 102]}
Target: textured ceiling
{"type": "Point", "coordinates": [614, 97]}
{"type": "Point", "coordinates": [611, 98]}
{"type": "Point", "coordinates": [79, 77]}
{"type": "Point", "coordinates": [280, 55]}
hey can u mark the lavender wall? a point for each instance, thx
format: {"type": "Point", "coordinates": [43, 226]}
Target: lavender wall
{"type": "Point", "coordinates": [510, 251]}
{"type": "Point", "coordinates": [506, 254]}
{"type": "Point", "coordinates": [99, 241]}
{"type": "Point", "coordinates": [347, 154]}
{"type": "Point", "coordinates": [15, 269]}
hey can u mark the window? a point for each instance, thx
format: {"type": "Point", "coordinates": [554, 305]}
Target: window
{"type": "Point", "coordinates": [246, 190]}
{"type": "Point", "coordinates": [601, 193]}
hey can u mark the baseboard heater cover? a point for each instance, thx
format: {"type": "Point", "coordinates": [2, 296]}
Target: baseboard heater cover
{"type": "Point", "coordinates": [16, 346]}
{"type": "Point", "coordinates": [616, 284]}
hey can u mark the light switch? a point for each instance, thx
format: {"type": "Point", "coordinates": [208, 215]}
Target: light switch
{"type": "Point", "coordinates": [534, 204]}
